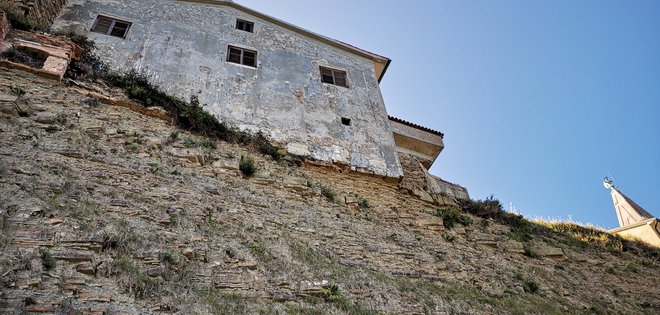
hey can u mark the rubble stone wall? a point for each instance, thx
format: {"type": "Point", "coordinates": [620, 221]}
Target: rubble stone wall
{"type": "Point", "coordinates": [424, 185]}
{"type": "Point", "coordinates": [4, 25]}
{"type": "Point", "coordinates": [41, 11]}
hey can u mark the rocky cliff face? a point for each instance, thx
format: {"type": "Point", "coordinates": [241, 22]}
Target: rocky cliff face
{"type": "Point", "coordinates": [107, 211]}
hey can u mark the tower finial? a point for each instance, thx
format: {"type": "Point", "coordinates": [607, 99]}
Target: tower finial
{"type": "Point", "coordinates": [609, 184]}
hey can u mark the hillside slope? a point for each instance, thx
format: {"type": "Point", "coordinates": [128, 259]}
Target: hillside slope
{"type": "Point", "coordinates": [104, 210]}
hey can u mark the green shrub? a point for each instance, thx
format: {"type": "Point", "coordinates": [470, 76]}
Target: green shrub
{"type": "Point", "coordinates": [260, 251]}
{"type": "Point", "coordinates": [363, 203]}
{"type": "Point", "coordinates": [450, 216]}
{"type": "Point", "coordinates": [209, 144]}
{"type": "Point", "coordinates": [189, 143]}
{"type": "Point", "coordinates": [391, 236]}
{"type": "Point", "coordinates": [529, 252]}
{"type": "Point", "coordinates": [167, 258]}
{"type": "Point", "coordinates": [328, 193]}
{"type": "Point", "coordinates": [247, 166]}
{"type": "Point", "coordinates": [121, 238]}
{"type": "Point", "coordinates": [88, 65]}
{"type": "Point", "coordinates": [174, 136]}
{"type": "Point", "coordinates": [266, 147]}
{"type": "Point", "coordinates": [138, 283]}
{"type": "Point", "coordinates": [47, 259]}
{"type": "Point", "coordinates": [331, 293]}
{"type": "Point", "coordinates": [530, 286]}
{"type": "Point", "coordinates": [491, 208]}
{"type": "Point", "coordinates": [17, 89]}
{"type": "Point", "coordinates": [632, 267]}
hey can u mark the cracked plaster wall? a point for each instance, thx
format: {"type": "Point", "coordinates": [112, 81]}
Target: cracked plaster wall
{"type": "Point", "coordinates": [183, 47]}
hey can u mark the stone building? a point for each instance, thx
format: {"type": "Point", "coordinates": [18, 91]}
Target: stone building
{"type": "Point", "coordinates": [317, 96]}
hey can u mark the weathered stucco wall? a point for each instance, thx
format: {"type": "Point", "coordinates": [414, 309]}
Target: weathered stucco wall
{"type": "Point", "coordinates": [182, 46]}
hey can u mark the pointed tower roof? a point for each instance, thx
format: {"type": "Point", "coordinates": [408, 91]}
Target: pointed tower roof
{"type": "Point", "coordinates": [627, 211]}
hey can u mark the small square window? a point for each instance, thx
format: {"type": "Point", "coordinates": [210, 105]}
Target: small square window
{"type": "Point", "coordinates": [333, 76]}
{"type": "Point", "coordinates": [242, 56]}
{"type": "Point", "coordinates": [109, 26]}
{"type": "Point", "coordinates": [346, 121]}
{"type": "Point", "coordinates": [244, 25]}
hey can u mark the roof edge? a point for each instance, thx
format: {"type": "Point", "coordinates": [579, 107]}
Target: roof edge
{"type": "Point", "coordinates": [627, 227]}
{"type": "Point", "coordinates": [416, 126]}
{"type": "Point", "coordinates": [382, 74]}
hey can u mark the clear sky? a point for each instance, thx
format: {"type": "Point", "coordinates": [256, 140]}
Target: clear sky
{"type": "Point", "coordinates": [538, 100]}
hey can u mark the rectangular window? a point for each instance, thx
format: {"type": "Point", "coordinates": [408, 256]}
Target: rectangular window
{"type": "Point", "coordinates": [333, 76]}
{"type": "Point", "coordinates": [242, 56]}
{"type": "Point", "coordinates": [244, 25]}
{"type": "Point", "coordinates": [109, 26]}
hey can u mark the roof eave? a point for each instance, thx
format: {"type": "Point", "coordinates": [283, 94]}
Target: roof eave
{"type": "Point", "coordinates": [382, 74]}
{"type": "Point", "coordinates": [634, 225]}
{"type": "Point", "coordinates": [416, 126]}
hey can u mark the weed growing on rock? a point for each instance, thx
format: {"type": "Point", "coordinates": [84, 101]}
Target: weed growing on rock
{"type": "Point", "coordinates": [529, 252]}
{"type": "Point", "coordinates": [491, 208]}
{"type": "Point", "coordinates": [137, 283]}
{"type": "Point", "coordinates": [173, 137]}
{"type": "Point", "coordinates": [586, 235]}
{"type": "Point", "coordinates": [331, 294]}
{"type": "Point", "coordinates": [260, 251]}
{"type": "Point", "coordinates": [247, 166]}
{"type": "Point", "coordinates": [209, 144]}
{"type": "Point", "coordinates": [530, 286]}
{"type": "Point", "coordinates": [391, 236]}
{"type": "Point", "coordinates": [293, 309]}
{"type": "Point", "coordinates": [119, 237]}
{"type": "Point", "coordinates": [363, 203]}
{"type": "Point", "coordinates": [449, 237]}
{"type": "Point", "coordinates": [632, 267]}
{"type": "Point", "coordinates": [328, 193]}
{"type": "Point", "coordinates": [47, 259]}
{"type": "Point", "coordinates": [175, 171]}
{"type": "Point", "coordinates": [167, 258]}
{"type": "Point", "coordinates": [88, 66]}
{"type": "Point", "coordinates": [451, 216]}
{"type": "Point", "coordinates": [17, 90]}
{"type": "Point", "coordinates": [154, 168]}
{"type": "Point", "coordinates": [264, 146]}
{"type": "Point", "coordinates": [224, 303]}
{"type": "Point", "coordinates": [92, 102]}
{"type": "Point", "coordinates": [189, 143]}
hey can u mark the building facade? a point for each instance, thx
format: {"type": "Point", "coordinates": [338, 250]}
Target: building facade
{"type": "Point", "coordinates": [634, 221]}
{"type": "Point", "coordinates": [317, 96]}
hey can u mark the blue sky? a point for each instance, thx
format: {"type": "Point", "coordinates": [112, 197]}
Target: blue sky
{"type": "Point", "coordinates": [538, 100]}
